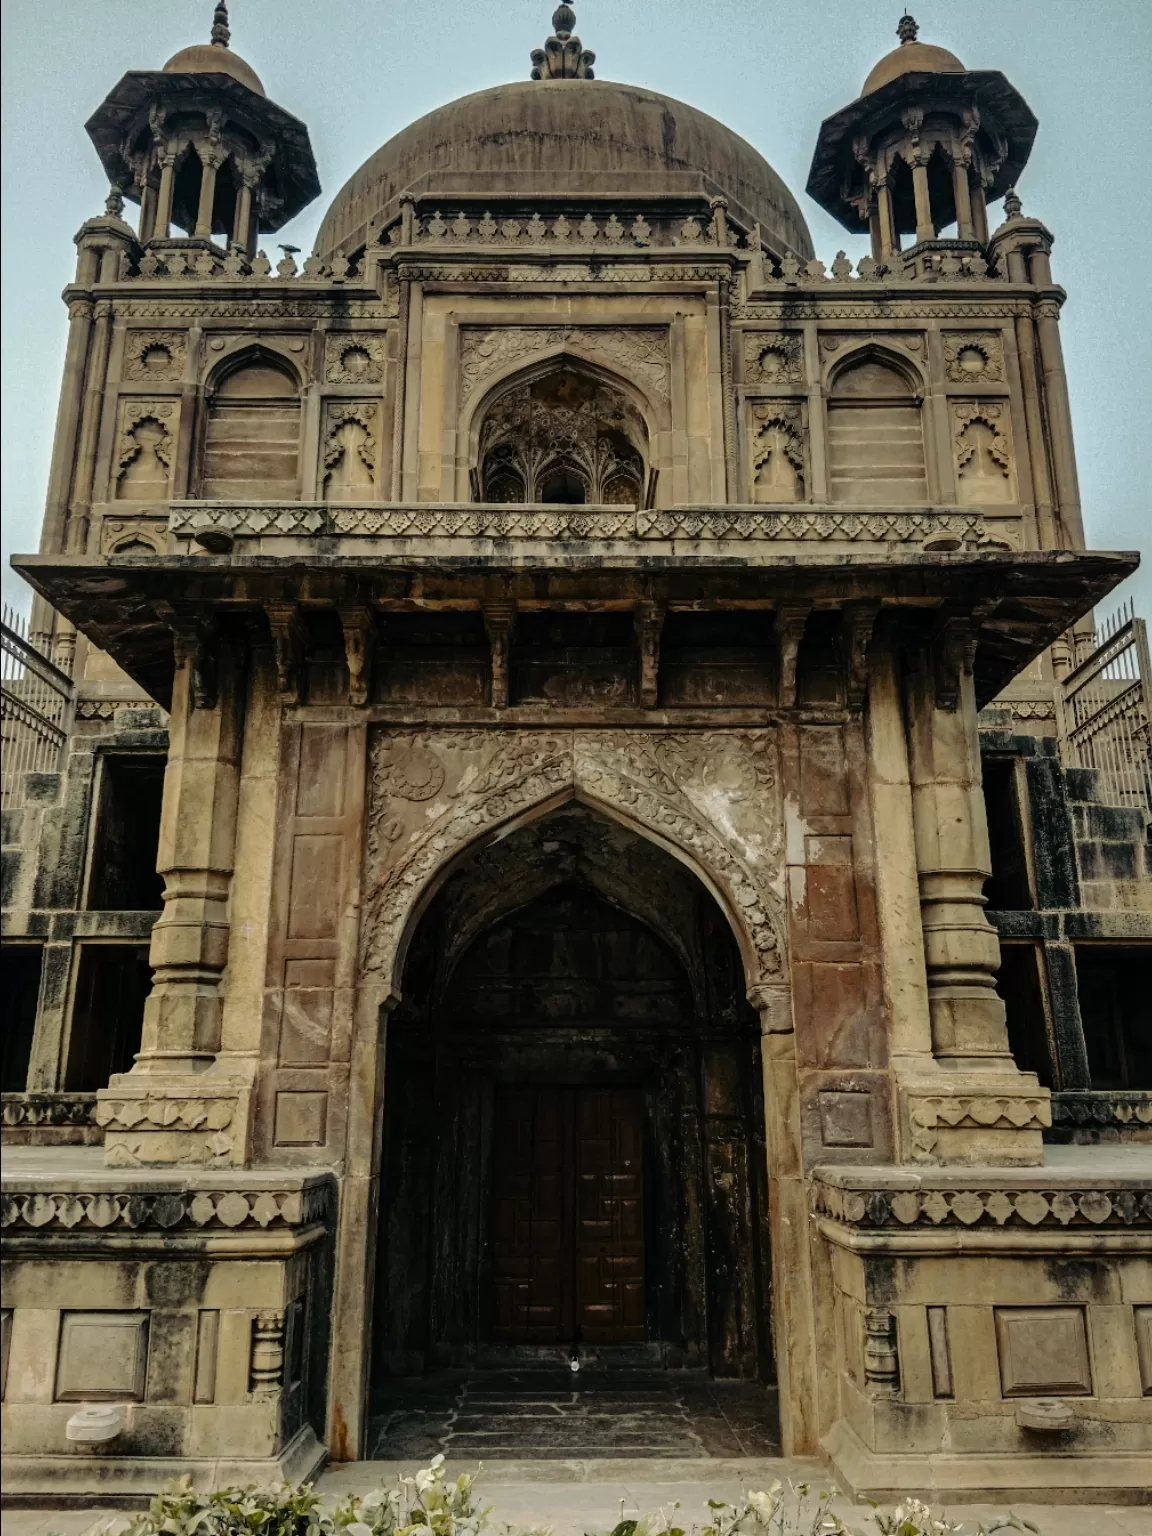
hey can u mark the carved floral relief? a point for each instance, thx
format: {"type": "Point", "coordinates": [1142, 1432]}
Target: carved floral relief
{"type": "Point", "coordinates": [774, 357]}
{"type": "Point", "coordinates": [354, 357]}
{"type": "Point", "coordinates": [713, 796]}
{"type": "Point", "coordinates": [641, 352]}
{"type": "Point", "coordinates": [156, 355]}
{"type": "Point", "coordinates": [974, 357]}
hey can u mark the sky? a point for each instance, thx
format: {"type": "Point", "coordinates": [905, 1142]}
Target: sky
{"type": "Point", "coordinates": [357, 71]}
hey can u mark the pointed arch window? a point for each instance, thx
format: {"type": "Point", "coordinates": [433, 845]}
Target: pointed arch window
{"type": "Point", "coordinates": [565, 438]}
{"type": "Point", "coordinates": [252, 435]}
{"type": "Point", "coordinates": [875, 436]}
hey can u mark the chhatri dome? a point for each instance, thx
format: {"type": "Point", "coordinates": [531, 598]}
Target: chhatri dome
{"type": "Point", "coordinates": [911, 56]}
{"type": "Point", "coordinates": [564, 132]}
{"type": "Point", "coordinates": [215, 57]}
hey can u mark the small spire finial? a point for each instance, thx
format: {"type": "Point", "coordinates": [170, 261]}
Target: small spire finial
{"type": "Point", "coordinates": [907, 30]}
{"type": "Point", "coordinates": [221, 32]}
{"type": "Point", "coordinates": [1013, 207]}
{"type": "Point", "coordinates": [114, 202]}
{"type": "Point", "coordinates": [563, 56]}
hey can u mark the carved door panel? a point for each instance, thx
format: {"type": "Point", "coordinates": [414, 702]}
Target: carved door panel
{"type": "Point", "coordinates": [568, 1216]}
{"type": "Point", "coordinates": [532, 1216]}
{"type": "Point", "coordinates": [609, 1216]}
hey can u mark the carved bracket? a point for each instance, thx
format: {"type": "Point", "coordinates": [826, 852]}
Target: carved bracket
{"type": "Point", "coordinates": [194, 646]}
{"type": "Point", "coordinates": [860, 621]}
{"type": "Point", "coordinates": [359, 649]}
{"type": "Point", "coordinates": [289, 646]}
{"type": "Point", "coordinates": [500, 623]}
{"type": "Point", "coordinates": [789, 624]}
{"type": "Point", "coordinates": [649, 621]}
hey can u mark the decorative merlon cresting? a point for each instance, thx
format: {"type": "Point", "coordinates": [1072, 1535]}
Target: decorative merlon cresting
{"type": "Point", "coordinates": [563, 56]}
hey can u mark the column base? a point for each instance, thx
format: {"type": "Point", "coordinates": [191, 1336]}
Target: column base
{"type": "Point", "coordinates": [1092, 1477]}
{"type": "Point", "coordinates": [187, 1119]}
{"type": "Point", "coordinates": [990, 1118]}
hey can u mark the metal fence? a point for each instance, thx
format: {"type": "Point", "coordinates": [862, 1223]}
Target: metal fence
{"type": "Point", "coordinates": [1105, 711]}
{"type": "Point", "coordinates": [36, 713]}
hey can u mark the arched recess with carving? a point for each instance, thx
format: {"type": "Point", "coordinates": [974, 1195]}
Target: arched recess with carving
{"type": "Point", "coordinates": [564, 429]}
{"type": "Point", "coordinates": [656, 783]}
{"type": "Point", "coordinates": [251, 436]}
{"type": "Point", "coordinates": [875, 428]}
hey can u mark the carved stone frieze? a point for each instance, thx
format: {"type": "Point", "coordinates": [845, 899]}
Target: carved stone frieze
{"type": "Point", "coordinates": [715, 796]}
{"type": "Point", "coordinates": [429, 520]}
{"type": "Point", "coordinates": [913, 308]}
{"type": "Point", "coordinates": [641, 352]}
{"type": "Point", "coordinates": [204, 1130]}
{"type": "Point", "coordinates": [156, 355]}
{"type": "Point", "coordinates": [928, 1116]}
{"type": "Point", "coordinates": [205, 1210]}
{"type": "Point", "coordinates": [51, 1109]}
{"type": "Point", "coordinates": [278, 307]}
{"type": "Point", "coordinates": [773, 357]}
{"type": "Point", "coordinates": [974, 357]}
{"type": "Point", "coordinates": [975, 1206]}
{"type": "Point", "coordinates": [354, 357]}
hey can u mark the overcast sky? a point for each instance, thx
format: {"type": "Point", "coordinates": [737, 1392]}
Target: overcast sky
{"type": "Point", "coordinates": [357, 71]}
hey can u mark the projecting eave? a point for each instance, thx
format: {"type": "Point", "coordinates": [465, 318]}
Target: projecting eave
{"type": "Point", "coordinates": [1021, 602]}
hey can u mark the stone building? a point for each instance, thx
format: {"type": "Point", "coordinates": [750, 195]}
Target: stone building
{"type": "Point", "coordinates": [551, 637]}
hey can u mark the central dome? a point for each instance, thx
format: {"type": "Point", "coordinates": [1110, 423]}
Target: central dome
{"type": "Point", "coordinates": [587, 138]}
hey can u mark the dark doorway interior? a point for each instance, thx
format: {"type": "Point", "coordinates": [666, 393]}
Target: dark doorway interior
{"type": "Point", "coordinates": [573, 1140]}
{"type": "Point", "coordinates": [1116, 1008]}
{"type": "Point", "coordinates": [21, 964]}
{"type": "Point", "coordinates": [112, 983]}
{"type": "Point", "coordinates": [123, 860]}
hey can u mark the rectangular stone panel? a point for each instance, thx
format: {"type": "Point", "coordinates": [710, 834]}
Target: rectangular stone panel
{"type": "Point", "coordinates": [323, 770]}
{"type": "Point", "coordinates": [207, 1342]}
{"type": "Point", "coordinates": [103, 1355]}
{"type": "Point", "coordinates": [1043, 1351]}
{"type": "Point", "coordinates": [940, 1350]}
{"type": "Point", "coordinates": [830, 889]}
{"type": "Point", "coordinates": [1143, 1320]}
{"type": "Point", "coordinates": [301, 1118]}
{"type": "Point", "coordinates": [5, 1347]}
{"type": "Point", "coordinates": [846, 1119]}
{"type": "Point", "coordinates": [306, 1017]}
{"type": "Point", "coordinates": [833, 1025]}
{"type": "Point", "coordinates": [823, 771]}
{"type": "Point", "coordinates": [314, 898]}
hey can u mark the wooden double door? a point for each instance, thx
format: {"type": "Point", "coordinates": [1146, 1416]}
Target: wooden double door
{"type": "Point", "coordinates": [568, 1216]}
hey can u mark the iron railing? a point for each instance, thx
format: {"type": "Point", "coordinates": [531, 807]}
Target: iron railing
{"type": "Point", "coordinates": [36, 713]}
{"type": "Point", "coordinates": [1105, 712]}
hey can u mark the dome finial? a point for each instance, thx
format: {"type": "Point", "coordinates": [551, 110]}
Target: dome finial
{"type": "Point", "coordinates": [907, 30]}
{"type": "Point", "coordinates": [563, 56]}
{"type": "Point", "coordinates": [221, 32]}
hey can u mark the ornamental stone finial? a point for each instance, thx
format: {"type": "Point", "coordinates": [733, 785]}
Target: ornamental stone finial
{"type": "Point", "coordinates": [563, 56]}
{"type": "Point", "coordinates": [907, 30]}
{"type": "Point", "coordinates": [1013, 207]}
{"type": "Point", "coordinates": [221, 32]}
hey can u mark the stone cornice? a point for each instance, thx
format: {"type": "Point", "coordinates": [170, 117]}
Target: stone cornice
{"type": "Point", "coordinates": [125, 1207]}
{"type": "Point", "coordinates": [990, 1200]}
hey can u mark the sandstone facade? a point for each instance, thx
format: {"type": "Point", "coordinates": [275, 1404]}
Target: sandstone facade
{"type": "Point", "coordinates": [562, 612]}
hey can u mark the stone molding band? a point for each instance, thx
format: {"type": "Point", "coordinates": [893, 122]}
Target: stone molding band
{"type": "Point", "coordinates": [948, 529]}
{"type": "Point", "coordinates": [996, 1208]}
{"type": "Point", "coordinates": [204, 1210]}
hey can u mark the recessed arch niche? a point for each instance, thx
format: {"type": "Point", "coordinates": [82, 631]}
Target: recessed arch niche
{"type": "Point", "coordinates": [575, 994]}
{"type": "Point", "coordinates": [252, 430]}
{"type": "Point", "coordinates": [875, 432]}
{"type": "Point", "coordinates": [562, 434]}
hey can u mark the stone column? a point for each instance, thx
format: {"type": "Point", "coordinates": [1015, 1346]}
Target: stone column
{"type": "Point", "coordinates": [979, 1108]}
{"type": "Point", "coordinates": [1047, 314]}
{"type": "Point", "coordinates": [889, 241]}
{"type": "Point", "coordinates": [242, 223]}
{"type": "Point", "coordinates": [925, 229]}
{"type": "Point", "coordinates": [963, 194]}
{"type": "Point", "coordinates": [164, 196]}
{"type": "Point", "coordinates": [209, 164]}
{"type": "Point", "coordinates": [171, 1107]}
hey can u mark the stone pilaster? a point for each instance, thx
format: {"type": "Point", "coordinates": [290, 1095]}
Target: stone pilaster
{"type": "Point", "coordinates": [173, 1107]}
{"type": "Point", "coordinates": [976, 1106]}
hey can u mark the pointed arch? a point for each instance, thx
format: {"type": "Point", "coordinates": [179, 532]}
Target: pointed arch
{"type": "Point", "coordinates": [251, 438]}
{"type": "Point", "coordinates": [875, 429]}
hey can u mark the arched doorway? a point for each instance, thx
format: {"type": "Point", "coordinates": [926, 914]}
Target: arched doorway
{"type": "Point", "coordinates": [573, 1159]}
